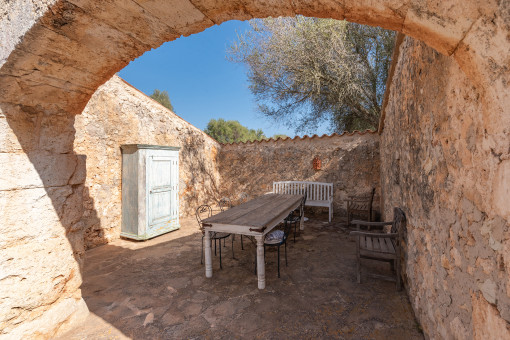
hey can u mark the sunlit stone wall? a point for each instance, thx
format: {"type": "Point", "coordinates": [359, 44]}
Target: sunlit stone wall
{"type": "Point", "coordinates": [445, 159]}
{"type": "Point", "coordinates": [120, 114]}
{"type": "Point", "coordinates": [349, 161]}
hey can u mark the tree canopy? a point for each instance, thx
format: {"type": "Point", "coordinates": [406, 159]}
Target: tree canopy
{"type": "Point", "coordinates": [231, 131]}
{"type": "Point", "coordinates": [162, 98]}
{"type": "Point", "coordinates": [304, 71]}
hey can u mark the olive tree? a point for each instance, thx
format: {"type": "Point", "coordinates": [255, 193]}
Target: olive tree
{"type": "Point", "coordinates": [303, 71]}
{"type": "Point", "coordinates": [231, 131]}
{"type": "Point", "coordinates": [162, 98]}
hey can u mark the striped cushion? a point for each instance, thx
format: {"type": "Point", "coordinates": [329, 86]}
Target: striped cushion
{"type": "Point", "coordinates": [274, 237]}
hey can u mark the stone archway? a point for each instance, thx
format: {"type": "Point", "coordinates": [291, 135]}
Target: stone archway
{"type": "Point", "coordinates": [59, 60]}
{"type": "Point", "coordinates": [56, 53]}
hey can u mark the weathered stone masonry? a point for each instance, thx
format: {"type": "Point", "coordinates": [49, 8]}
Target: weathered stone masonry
{"type": "Point", "coordinates": [54, 54]}
{"type": "Point", "coordinates": [120, 114]}
{"type": "Point", "coordinates": [349, 161]}
{"type": "Point", "coordinates": [439, 161]}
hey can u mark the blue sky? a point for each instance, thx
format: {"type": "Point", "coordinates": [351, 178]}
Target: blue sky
{"type": "Point", "coordinates": [201, 83]}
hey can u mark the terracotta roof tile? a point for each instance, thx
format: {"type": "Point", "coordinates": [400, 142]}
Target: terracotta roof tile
{"type": "Point", "coordinates": [280, 139]}
{"type": "Point", "coordinates": [268, 140]}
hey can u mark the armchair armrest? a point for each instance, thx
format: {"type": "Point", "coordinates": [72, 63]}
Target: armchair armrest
{"type": "Point", "coordinates": [372, 224]}
{"type": "Point", "coordinates": [376, 235]}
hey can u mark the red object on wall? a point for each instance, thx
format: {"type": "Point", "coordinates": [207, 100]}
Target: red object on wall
{"type": "Point", "coordinates": [317, 163]}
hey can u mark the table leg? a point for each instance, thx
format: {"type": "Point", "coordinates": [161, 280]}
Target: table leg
{"type": "Point", "coordinates": [208, 255]}
{"type": "Point", "coordinates": [302, 222]}
{"type": "Point", "coordinates": [261, 270]}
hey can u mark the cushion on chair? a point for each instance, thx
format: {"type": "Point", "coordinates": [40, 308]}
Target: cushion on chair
{"type": "Point", "coordinates": [293, 218]}
{"type": "Point", "coordinates": [274, 237]}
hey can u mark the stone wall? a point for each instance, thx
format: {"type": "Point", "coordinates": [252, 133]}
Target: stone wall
{"type": "Point", "coordinates": [445, 158]}
{"type": "Point", "coordinates": [349, 161]}
{"type": "Point", "coordinates": [41, 241]}
{"type": "Point", "coordinates": [54, 54]}
{"type": "Point", "coordinates": [120, 114]}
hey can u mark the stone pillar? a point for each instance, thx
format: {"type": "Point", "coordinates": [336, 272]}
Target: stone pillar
{"type": "Point", "coordinates": [41, 238]}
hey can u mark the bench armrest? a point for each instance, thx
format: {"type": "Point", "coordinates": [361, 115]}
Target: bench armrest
{"type": "Point", "coordinates": [375, 235]}
{"type": "Point", "coordinates": [371, 224]}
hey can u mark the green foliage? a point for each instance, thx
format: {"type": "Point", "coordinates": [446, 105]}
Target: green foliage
{"type": "Point", "coordinates": [162, 98]}
{"type": "Point", "coordinates": [304, 71]}
{"type": "Point", "coordinates": [280, 136]}
{"type": "Point", "coordinates": [231, 131]}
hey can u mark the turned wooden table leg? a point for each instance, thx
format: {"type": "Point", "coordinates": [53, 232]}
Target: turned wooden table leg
{"type": "Point", "coordinates": [208, 255]}
{"type": "Point", "coordinates": [261, 275]}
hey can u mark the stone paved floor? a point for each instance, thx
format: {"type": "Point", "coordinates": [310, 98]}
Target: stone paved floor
{"type": "Point", "coordinates": [157, 290]}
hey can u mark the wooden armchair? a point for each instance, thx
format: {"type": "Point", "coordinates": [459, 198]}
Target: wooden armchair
{"type": "Point", "coordinates": [360, 206]}
{"type": "Point", "coordinates": [380, 246]}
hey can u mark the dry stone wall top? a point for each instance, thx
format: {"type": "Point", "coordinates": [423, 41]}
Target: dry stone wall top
{"type": "Point", "coordinates": [350, 161]}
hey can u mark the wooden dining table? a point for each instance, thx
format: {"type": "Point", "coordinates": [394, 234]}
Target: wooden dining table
{"type": "Point", "coordinates": [256, 218]}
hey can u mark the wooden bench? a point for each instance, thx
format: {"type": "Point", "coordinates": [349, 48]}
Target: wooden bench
{"type": "Point", "coordinates": [380, 246]}
{"type": "Point", "coordinates": [319, 194]}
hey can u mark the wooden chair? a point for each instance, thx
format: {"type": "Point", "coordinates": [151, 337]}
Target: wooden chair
{"type": "Point", "coordinates": [360, 206]}
{"type": "Point", "coordinates": [380, 246]}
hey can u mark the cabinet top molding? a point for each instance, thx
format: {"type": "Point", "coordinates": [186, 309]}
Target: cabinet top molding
{"type": "Point", "coordinates": [129, 147]}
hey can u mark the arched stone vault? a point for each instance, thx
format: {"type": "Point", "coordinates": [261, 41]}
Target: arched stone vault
{"type": "Point", "coordinates": [77, 45]}
{"type": "Point", "coordinates": [54, 54]}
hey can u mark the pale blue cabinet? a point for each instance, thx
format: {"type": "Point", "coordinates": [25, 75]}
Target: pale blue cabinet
{"type": "Point", "coordinates": [150, 190]}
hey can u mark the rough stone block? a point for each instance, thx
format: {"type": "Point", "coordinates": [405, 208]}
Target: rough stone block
{"type": "Point", "coordinates": [36, 170]}
{"type": "Point", "coordinates": [18, 223]}
{"type": "Point", "coordinates": [487, 323]}
{"type": "Point", "coordinates": [181, 15]}
{"type": "Point", "coordinates": [447, 21]}
{"type": "Point", "coordinates": [389, 14]}
{"type": "Point", "coordinates": [17, 130]}
{"type": "Point", "coordinates": [502, 190]}
{"type": "Point", "coordinates": [61, 317]}
{"type": "Point", "coordinates": [43, 271]}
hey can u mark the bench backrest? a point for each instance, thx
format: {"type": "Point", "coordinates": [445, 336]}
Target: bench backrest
{"type": "Point", "coordinates": [316, 191]}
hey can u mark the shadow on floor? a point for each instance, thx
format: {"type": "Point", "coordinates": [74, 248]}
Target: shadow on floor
{"type": "Point", "coordinates": [158, 290]}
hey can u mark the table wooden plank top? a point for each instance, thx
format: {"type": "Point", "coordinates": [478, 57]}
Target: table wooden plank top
{"type": "Point", "coordinates": [260, 212]}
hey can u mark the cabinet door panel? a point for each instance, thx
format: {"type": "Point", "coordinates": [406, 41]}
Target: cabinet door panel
{"type": "Point", "coordinates": [160, 193]}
